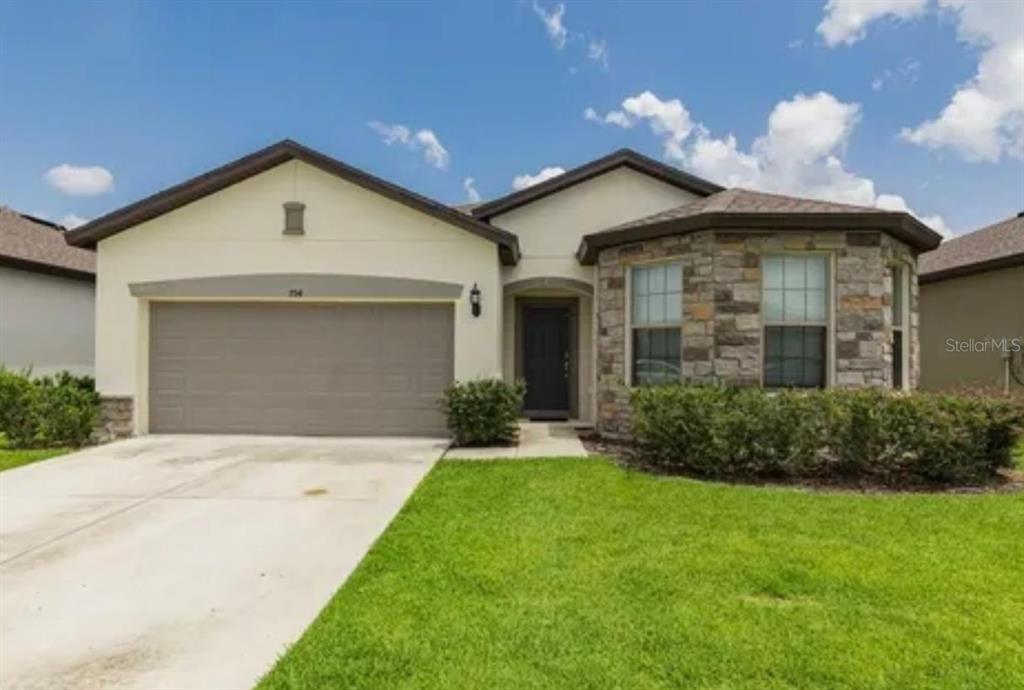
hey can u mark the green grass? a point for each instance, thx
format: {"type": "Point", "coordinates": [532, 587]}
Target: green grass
{"type": "Point", "coordinates": [579, 574]}
{"type": "Point", "coordinates": [9, 459]}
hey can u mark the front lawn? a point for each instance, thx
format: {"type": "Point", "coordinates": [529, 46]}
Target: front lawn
{"type": "Point", "coordinates": [9, 459]}
{"type": "Point", "coordinates": [579, 574]}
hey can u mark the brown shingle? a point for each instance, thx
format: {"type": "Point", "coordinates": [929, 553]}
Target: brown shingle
{"type": "Point", "coordinates": [991, 246]}
{"type": "Point", "coordinates": [34, 244]}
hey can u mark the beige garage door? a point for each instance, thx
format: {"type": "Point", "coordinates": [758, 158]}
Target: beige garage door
{"type": "Point", "coordinates": [331, 369]}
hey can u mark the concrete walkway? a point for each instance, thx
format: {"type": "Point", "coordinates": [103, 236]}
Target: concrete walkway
{"type": "Point", "coordinates": [536, 440]}
{"type": "Point", "coordinates": [185, 562]}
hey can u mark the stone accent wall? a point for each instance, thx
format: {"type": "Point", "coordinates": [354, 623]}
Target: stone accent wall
{"type": "Point", "coordinates": [116, 419]}
{"type": "Point", "coordinates": [722, 327]}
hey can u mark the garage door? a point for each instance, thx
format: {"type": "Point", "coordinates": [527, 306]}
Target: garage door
{"type": "Point", "coordinates": [330, 369]}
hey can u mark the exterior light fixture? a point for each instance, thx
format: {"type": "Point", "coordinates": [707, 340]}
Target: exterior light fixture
{"type": "Point", "coordinates": [474, 300]}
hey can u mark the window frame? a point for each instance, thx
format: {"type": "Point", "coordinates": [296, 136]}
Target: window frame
{"type": "Point", "coordinates": [630, 326]}
{"type": "Point", "coordinates": [904, 322]}
{"type": "Point", "coordinates": [828, 323]}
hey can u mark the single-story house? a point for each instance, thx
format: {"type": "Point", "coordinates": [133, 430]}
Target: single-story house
{"type": "Point", "coordinates": [972, 310]}
{"type": "Point", "coordinates": [288, 292]}
{"type": "Point", "coordinates": [46, 298]}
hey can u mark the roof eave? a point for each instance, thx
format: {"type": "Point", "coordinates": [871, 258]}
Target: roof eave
{"type": "Point", "coordinates": [900, 225]}
{"type": "Point", "coordinates": [1008, 261]}
{"type": "Point", "coordinates": [587, 171]}
{"type": "Point", "coordinates": [48, 269]}
{"type": "Point", "coordinates": [224, 176]}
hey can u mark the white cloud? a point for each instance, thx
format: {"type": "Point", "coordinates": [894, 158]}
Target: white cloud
{"type": "Point", "coordinates": [894, 202]}
{"type": "Point", "coordinates": [553, 23]}
{"type": "Point", "coordinates": [908, 73]}
{"type": "Point", "coordinates": [984, 119]}
{"type": "Point", "coordinates": [77, 180]}
{"type": "Point", "coordinates": [469, 185]}
{"type": "Point", "coordinates": [435, 154]}
{"type": "Point", "coordinates": [795, 44]}
{"type": "Point", "coordinates": [423, 140]}
{"type": "Point", "coordinates": [668, 119]}
{"type": "Point", "coordinates": [526, 180]}
{"type": "Point", "coordinates": [800, 154]}
{"type": "Point", "coordinates": [846, 21]}
{"type": "Point", "coordinates": [72, 221]}
{"type": "Point", "coordinates": [598, 52]}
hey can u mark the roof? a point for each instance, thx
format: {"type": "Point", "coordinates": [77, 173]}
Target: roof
{"type": "Point", "coordinates": [270, 157]}
{"type": "Point", "coordinates": [34, 244]}
{"type": "Point", "coordinates": [995, 246]}
{"type": "Point", "coordinates": [622, 157]}
{"type": "Point", "coordinates": [744, 209]}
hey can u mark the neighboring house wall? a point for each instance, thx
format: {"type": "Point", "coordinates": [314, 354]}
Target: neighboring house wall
{"type": "Point", "coordinates": [549, 231]}
{"type": "Point", "coordinates": [722, 327]}
{"type": "Point", "coordinates": [348, 230]}
{"type": "Point", "coordinates": [977, 308]}
{"type": "Point", "coordinates": [46, 322]}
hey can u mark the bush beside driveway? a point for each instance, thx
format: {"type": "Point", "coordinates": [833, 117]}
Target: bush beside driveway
{"type": "Point", "coordinates": [568, 573]}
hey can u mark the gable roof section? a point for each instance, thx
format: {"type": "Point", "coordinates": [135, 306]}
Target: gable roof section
{"type": "Point", "coordinates": [33, 244]}
{"type": "Point", "coordinates": [742, 209]}
{"type": "Point", "coordinates": [255, 163]}
{"type": "Point", "coordinates": [622, 157]}
{"type": "Point", "coordinates": [999, 245]}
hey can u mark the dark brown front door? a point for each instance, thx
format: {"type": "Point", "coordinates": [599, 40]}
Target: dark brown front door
{"type": "Point", "coordinates": [546, 361]}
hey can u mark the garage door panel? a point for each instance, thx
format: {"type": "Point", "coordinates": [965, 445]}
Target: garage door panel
{"type": "Point", "coordinates": [300, 369]}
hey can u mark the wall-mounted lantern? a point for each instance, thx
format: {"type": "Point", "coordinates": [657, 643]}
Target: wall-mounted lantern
{"type": "Point", "coordinates": [474, 300]}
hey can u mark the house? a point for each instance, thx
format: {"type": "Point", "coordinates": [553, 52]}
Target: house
{"type": "Point", "coordinates": [972, 309]}
{"type": "Point", "coordinates": [46, 298]}
{"type": "Point", "coordinates": [288, 292]}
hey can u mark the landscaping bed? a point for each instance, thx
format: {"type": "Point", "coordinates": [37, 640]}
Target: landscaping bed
{"type": "Point", "coordinates": [570, 573]}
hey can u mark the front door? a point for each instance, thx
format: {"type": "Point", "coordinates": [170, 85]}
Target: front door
{"type": "Point", "coordinates": [546, 361]}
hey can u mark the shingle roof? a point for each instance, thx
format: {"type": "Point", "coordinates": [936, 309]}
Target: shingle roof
{"type": "Point", "coordinates": [994, 246]}
{"type": "Point", "coordinates": [744, 209]}
{"type": "Point", "coordinates": [738, 200]}
{"type": "Point", "coordinates": [34, 244]}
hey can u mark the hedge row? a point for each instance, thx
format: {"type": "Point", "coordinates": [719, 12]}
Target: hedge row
{"type": "Point", "coordinates": [48, 411]}
{"type": "Point", "coordinates": [893, 439]}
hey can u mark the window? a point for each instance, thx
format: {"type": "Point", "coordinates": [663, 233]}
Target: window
{"type": "Point", "coordinates": [656, 323]}
{"type": "Point", "coordinates": [795, 312]}
{"type": "Point", "coordinates": [899, 300]}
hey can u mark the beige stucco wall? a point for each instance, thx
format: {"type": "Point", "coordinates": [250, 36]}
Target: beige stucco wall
{"type": "Point", "coordinates": [979, 307]}
{"type": "Point", "coordinates": [46, 323]}
{"type": "Point", "coordinates": [349, 230]}
{"type": "Point", "coordinates": [549, 232]}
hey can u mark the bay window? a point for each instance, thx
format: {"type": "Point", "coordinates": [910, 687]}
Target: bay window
{"type": "Point", "coordinates": [656, 323]}
{"type": "Point", "coordinates": [795, 312]}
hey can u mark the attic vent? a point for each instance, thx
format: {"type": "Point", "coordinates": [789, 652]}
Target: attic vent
{"type": "Point", "coordinates": [294, 218]}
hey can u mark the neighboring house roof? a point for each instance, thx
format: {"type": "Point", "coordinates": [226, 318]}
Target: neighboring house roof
{"type": "Point", "coordinates": [742, 209]}
{"type": "Point", "coordinates": [995, 246]}
{"type": "Point", "coordinates": [622, 157]}
{"type": "Point", "coordinates": [265, 159]}
{"type": "Point", "coordinates": [34, 244]}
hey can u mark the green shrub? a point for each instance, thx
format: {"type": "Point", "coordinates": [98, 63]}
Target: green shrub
{"type": "Point", "coordinates": [872, 435]}
{"type": "Point", "coordinates": [49, 411]}
{"type": "Point", "coordinates": [483, 412]}
{"type": "Point", "coordinates": [17, 402]}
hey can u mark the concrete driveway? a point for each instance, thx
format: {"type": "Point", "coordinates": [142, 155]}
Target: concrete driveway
{"type": "Point", "coordinates": [185, 561]}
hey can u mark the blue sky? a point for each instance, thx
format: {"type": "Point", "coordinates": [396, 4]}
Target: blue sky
{"type": "Point", "coordinates": [797, 98]}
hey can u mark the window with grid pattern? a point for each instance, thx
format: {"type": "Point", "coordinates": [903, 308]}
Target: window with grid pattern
{"type": "Point", "coordinates": [795, 313]}
{"type": "Point", "coordinates": [898, 319]}
{"type": "Point", "coordinates": [656, 323]}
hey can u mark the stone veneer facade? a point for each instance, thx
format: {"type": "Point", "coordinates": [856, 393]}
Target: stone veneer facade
{"type": "Point", "coordinates": [722, 329]}
{"type": "Point", "coordinates": [116, 419]}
